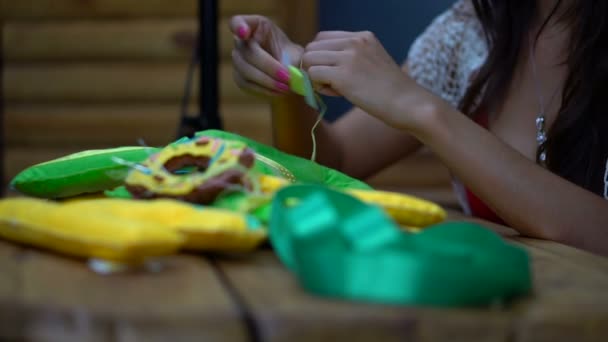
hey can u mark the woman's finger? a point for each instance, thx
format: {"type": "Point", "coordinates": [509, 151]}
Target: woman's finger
{"type": "Point", "coordinates": [327, 91]}
{"type": "Point", "coordinates": [323, 75]}
{"type": "Point", "coordinates": [252, 74]}
{"type": "Point", "coordinates": [243, 25]}
{"type": "Point", "coordinates": [325, 35]}
{"type": "Point", "coordinates": [330, 45]}
{"type": "Point", "coordinates": [253, 88]}
{"type": "Point", "coordinates": [255, 55]}
{"type": "Point", "coordinates": [313, 58]}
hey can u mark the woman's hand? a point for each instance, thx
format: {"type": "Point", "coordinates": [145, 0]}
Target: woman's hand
{"type": "Point", "coordinates": [356, 66]}
{"type": "Point", "coordinates": [259, 47]}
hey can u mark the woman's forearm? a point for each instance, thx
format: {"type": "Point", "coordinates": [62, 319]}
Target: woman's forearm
{"type": "Point", "coordinates": [535, 201]}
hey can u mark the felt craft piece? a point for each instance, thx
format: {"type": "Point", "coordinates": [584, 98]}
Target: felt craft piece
{"type": "Point", "coordinates": [407, 210]}
{"type": "Point", "coordinates": [126, 231]}
{"type": "Point", "coordinates": [299, 83]}
{"type": "Point", "coordinates": [196, 170]}
{"type": "Point", "coordinates": [203, 228]}
{"type": "Point", "coordinates": [337, 246]}
{"type": "Point", "coordinates": [271, 161]}
{"type": "Point", "coordinates": [154, 178]}
{"type": "Point", "coordinates": [88, 234]}
{"type": "Point", "coordinates": [85, 172]}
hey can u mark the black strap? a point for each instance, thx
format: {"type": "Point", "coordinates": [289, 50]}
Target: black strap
{"type": "Point", "coordinates": [206, 56]}
{"type": "Point", "coordinates": [2, 145]}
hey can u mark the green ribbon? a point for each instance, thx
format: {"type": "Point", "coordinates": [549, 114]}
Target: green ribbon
{"type": "Point", "coordinates": [338, 246]}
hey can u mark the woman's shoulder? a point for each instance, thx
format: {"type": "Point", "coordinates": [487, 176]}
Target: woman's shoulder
{"type": "Point", "coordinates": [457, 22]}
{"type": "Point", "coordinates": [446, 55]}
{"type": "Point", "coordinates": [461, 10]}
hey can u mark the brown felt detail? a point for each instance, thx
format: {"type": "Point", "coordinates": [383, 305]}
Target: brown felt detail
{"type": "Point", "coordinates": [247, 158]}
{"type": "Point", "coordinates": [205, 193]}
{"type": "Point", "coordinates": [178, 162]}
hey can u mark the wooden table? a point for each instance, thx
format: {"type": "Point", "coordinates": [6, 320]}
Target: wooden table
{"type": "Point", "coordinates": [45, 297]}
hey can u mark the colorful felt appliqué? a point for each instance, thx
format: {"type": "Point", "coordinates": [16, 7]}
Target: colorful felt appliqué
{"type": "Point", "coordinates": [196, 171]}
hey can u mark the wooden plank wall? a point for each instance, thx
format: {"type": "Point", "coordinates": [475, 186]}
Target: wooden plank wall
{"type": "Point", "coordinates": [83, 74]}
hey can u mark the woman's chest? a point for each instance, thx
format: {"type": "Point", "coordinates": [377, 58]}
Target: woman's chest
{"type": "Point", "coordinates": [530, 106]}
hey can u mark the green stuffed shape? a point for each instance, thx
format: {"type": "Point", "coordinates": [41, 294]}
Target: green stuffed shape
{"type": "Point", "coordinates": [100, 170]}
{"type": "Point", "coordinates": [84, 172]}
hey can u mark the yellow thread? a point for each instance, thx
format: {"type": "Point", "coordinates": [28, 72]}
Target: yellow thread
{"type": "Point", "coordinates": [323, 109]}
{"type": "Point", "coordinates": [277, 167]}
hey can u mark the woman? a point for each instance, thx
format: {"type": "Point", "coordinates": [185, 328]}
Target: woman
{"type": "Point", "coordinates": [533, 76]}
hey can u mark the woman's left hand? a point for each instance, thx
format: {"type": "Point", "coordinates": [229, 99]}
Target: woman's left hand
{"type": "Point", "coordinates": [356, 65]}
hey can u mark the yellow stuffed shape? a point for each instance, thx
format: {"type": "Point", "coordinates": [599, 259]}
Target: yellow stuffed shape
{"type": "Point", "coordinates": [125, 231]}
{"type": "Point", "coordinates": [205, 229]}
{"type": "Point", "coordinates": [80, 233]}
{"type": "Point", "coordinates": [408, 211]}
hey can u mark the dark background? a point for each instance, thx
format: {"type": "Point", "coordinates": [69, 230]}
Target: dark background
{"type": "Point", "coordinates": [395, 22]}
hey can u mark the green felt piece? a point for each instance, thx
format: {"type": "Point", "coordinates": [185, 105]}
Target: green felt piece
{"type": "Point", "coordinates": [84, 172]}
{"type": "Point", "coordinates": [297, 81]}
{"type": "Point", "coordinates": [300, 83]}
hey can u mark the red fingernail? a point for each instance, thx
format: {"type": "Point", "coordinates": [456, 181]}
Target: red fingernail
{"type": "Point", "coordinates": [282, 87]}
{"type": "Point", "coordinates": [283, 75]}
{"type": "Point", "coordinates": [242, 32]}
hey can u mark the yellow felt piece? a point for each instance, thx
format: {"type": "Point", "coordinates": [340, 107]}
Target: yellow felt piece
{"type": "Point", "coordinates": [406, 210]}
{"type": "Point", "coordinates": [272, 184]}
{"type": "Point", "coordinates": [206, 229]}
{"type": "Point", "coordinates": [84, 233]}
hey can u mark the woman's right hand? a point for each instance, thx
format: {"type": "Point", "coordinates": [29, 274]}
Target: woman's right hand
{"type": "Point", "coordinates": [259, 47]}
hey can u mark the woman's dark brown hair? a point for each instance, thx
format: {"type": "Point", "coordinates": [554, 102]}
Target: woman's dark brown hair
{"type": "Point", "coordinates": [577, 146]}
